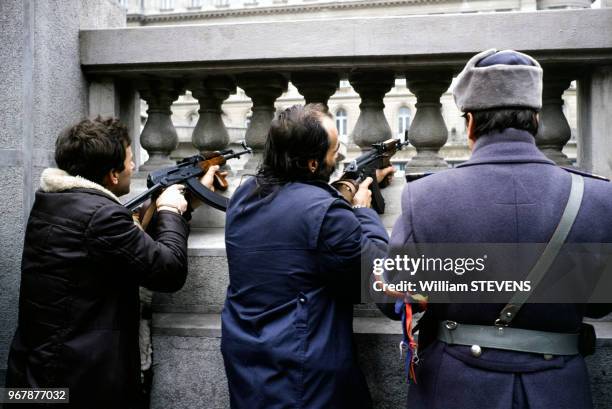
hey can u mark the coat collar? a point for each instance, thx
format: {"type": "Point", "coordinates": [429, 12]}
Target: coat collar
{"type": "Point", "coordinates": [53, 180]}
{"type": "Point", "coordinates": [509, 146]}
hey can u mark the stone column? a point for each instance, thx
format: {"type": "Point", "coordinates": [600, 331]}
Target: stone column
{"type": "Point", "coordinates": [316, 86]}
{"type": "Point", "coordinates": [594, 121]}
{"type": "Point", "coordinates": [103, 98]}
{"type": "Point", "coordinates": [427, 132]}
{"type": "Point", "coordinates": [554, 130]}
{"type": "Point", "coordinates": [159, 136]}
{"type": "Point", "coordinates": [210, 133]}
{"type": "Point", "coordinates": [263, 89]}
{"type": "Point", "coordinates": [372, 125]}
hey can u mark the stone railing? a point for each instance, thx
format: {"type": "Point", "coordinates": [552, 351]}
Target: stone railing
{"type": "Point", "coordinates": [428, 51]}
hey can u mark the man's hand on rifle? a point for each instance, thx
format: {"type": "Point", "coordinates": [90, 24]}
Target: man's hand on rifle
{"type": "Point", "coordinates": [207, 180]}
{"type": "Point", "coordinates": [363, 196]}
{"type": "Point", "coordinates": [385, 176]}
{"type": "Point", "coordinates": [172, 199]}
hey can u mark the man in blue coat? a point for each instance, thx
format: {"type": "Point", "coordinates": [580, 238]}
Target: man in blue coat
{"type": "Point", "coordinates": [507, 192]}
{"type": "Point", "coordinates": [294, 249]}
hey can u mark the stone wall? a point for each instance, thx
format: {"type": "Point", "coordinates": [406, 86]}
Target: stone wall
{"type": "Point", "coordinates": [43, 90]}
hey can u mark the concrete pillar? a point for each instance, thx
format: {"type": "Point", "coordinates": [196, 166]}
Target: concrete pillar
{"type": "Point", "coordinates": [372, 125]}
{"type": "Point", "coordinates": [554, 130]}
{"type": "Point", "coordinates": [210, 133]}
{"type": "Point", "coordinates": [43, 91]}
{"type": "Point", "coordinates": [103, 98]}
{"type": "Point", "coordinates": [595, 122]}
{"type": "Point", "coordinates": [159, 136]}
{"type": "Point", "coordinates": [129, 114]}
{"type": "Point", "coordinates": [316, 86]}
{"type": "Point", "coordinates": [427, 132]}
{"type": "Point", "coordinates": [263, 89]}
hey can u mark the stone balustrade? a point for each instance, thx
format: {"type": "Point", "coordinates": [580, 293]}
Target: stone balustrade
{"type": "Point", "coordinates": [570, 44]}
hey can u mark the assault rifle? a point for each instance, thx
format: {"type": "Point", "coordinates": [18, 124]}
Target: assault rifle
{"type": "Point", "coordinates": [188, 172]}
{"type": "Point", "coordinates": [379, 157]}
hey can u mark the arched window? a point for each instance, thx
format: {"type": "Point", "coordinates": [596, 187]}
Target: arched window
{"type": "Point", "coordinates": [341, 124]}
{"type": "Point", "coordinates": [403, 116]}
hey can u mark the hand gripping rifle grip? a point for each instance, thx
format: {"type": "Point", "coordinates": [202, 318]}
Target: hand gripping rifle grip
{"type": "Point", "coordinates": [347, 188]}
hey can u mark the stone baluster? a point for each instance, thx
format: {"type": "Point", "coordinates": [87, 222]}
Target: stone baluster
{"type": "Point", "coordinates": [210, 133]}
{"type": "Point", "coordinates": [159, 136]}
{"type": "Point", "coordinates": [427, 132]}
{"type": "Point", "coordinates": [554, 130]}
{"type": "Point", "coordinates": [316, 87]}
{"type": "Point", "coordinates": [263, 89]}
{"type": "Point", "coordinates": [372, 125]}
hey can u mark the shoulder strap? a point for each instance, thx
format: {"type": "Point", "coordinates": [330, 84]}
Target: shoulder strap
{"type": "Point", "coordinates": [550, 251]}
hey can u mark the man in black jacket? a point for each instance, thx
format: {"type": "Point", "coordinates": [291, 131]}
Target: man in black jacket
{"type": "Point", "coordinates": [84, 259]}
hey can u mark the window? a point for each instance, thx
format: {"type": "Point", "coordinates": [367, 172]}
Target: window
{"type": "Point", "coordinates": [166, 5]}
{"type": "Point", "coordinates": [194, 4]}
{"type": "Point", "coordinates": [403, 116]}
{"type": "Point", "coordinates": [341, 125]}
{"type": "Point", "coordinates": [123, 3]}
{"type": "Point", "coordinates": [221, 3]}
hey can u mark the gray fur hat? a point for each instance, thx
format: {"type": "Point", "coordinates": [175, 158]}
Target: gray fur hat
{"type": "Point", "coordinates": [495, 79]}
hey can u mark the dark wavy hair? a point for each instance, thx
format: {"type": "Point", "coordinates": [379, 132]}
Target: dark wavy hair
{"type": "Point", "coordinates": [296, 135]}
{"type": "Point", "coordinates": [496, 120]}
{"type": "Point", "coordinates": [92, 148]}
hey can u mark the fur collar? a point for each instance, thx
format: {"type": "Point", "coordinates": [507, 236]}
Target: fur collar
{"type": "Point", "coordinates": [56, 180]}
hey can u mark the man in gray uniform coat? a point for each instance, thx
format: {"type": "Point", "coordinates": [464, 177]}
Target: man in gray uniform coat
{"type": "Point", "coordinates": [508, 192]}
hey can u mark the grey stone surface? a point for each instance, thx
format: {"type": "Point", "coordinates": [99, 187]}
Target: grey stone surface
{"type": "Point", "coordinates": [11, 234]}
{"type": "Point", "coordinates": [12, 32]}
{"type": "Point", "coordinates": [103, 98]}
{"type": "Point", "coordinates": [595, 122]}
{"type": "Point", "coordinates": [189, 367]}
{"type": "Point", "coordinates": [189, 370]}
{"type": "Point", "coordinates": [576, 32]}
{"type": "Point", "coordinates": [204, 290]}
{"type": "Point", "coordinates": [188, 373]}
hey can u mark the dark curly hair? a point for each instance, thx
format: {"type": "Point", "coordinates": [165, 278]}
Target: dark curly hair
{"type": "Point", "coordinates": [92, 148]}
{"type": "Point", "coordinates": [296, 135]}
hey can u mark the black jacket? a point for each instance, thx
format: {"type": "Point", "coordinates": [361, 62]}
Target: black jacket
{"type": "Point", "coordinates": [84, 259]}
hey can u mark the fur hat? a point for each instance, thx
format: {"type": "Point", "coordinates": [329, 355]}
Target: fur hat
{"type": "Point", "coordinates": [497, 79]}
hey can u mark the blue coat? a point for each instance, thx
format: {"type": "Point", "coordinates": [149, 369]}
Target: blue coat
{"type": "Point", "coordinates": [294, 264]}
{"type": "Point", "coordinates": [507, 192]}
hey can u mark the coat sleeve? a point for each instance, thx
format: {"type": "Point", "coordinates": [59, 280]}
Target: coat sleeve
{"type": "Point", "coordinates": [160, 265]}
{"type": "Point", "coordinates": [346, 236]}
{"type": "Point", "coordinates": [401, 235]}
